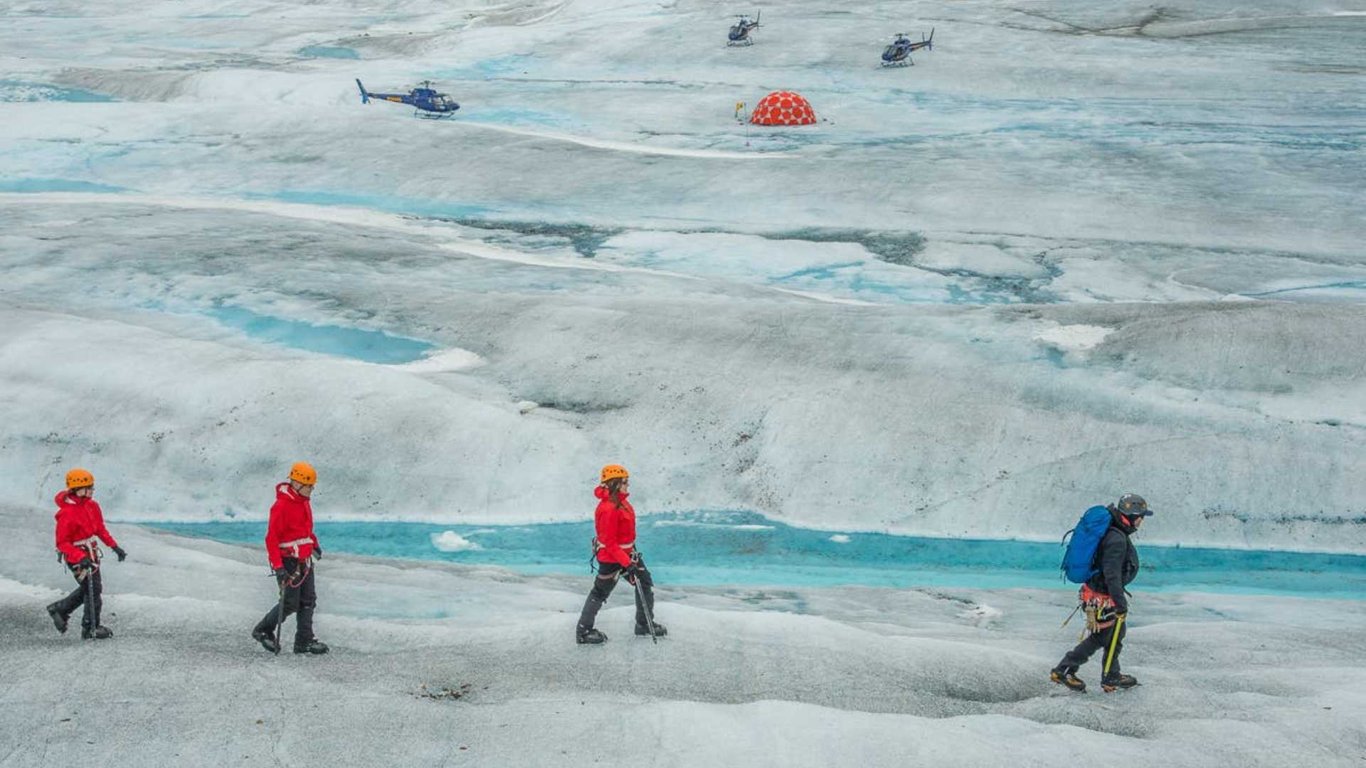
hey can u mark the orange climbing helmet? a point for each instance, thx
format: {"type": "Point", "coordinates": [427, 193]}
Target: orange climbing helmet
{"type": "Point", "coordinates": [79, 478]}
{"type": "Point", "coordinates": [614, 471]}
{"type": "Point", "coordinates": [303, 473]}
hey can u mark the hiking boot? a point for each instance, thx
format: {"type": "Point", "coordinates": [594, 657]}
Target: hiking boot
{"type": "Point", "coordinates": [589, 637]}
{"type": "Point", "coordinates": [315, 647]}
{"type": "Point", "coordinates": [1115, 682]}
{"type": "Point", "coordinates": [99, 633]}
{"type": "Point", "coordinates": [58, 618]}
{"type": "Point", "coordinates": [1068, 678]}
{"type": "Point", "coordinates": [266, 639]}
{"type": "Point", "coordinates": [643, 630]}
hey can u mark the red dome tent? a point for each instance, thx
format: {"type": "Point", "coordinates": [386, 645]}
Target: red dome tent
{"type": "Point", "coordinates": [783, 108]}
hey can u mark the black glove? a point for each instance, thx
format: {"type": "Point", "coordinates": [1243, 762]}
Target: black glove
{"type": "Point", "coordinates": [122, 555]}
{"type": "Point", "coordinates": [629, 573]}
{"type": "Point", "coordinates": [318, 551]}
{"type": "Point", "coordinates": [281, 573]}
{"type": "Point", "coordinates": [85, 564]}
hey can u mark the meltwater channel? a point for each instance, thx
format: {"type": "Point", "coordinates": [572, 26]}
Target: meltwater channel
{"type": "Point", "coordinates": [740, 548]}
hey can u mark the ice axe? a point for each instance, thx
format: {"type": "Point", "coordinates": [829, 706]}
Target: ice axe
{"type": "Point", "coordinates": [1069, 616]}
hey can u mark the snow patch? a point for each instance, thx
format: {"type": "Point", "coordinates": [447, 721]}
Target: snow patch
{"type": "Point", "coordinates": [834, 272]}
{"type": "Point", "coordinates": [981, 615]}
{"type": "Point", "coordinates": [978, 259]}
{"type": "Point", "coordinates": [10, 587]}
{"type": "Point", "coordinates": [1074, 338]}
{"type": "Point", "coordinates": [636, 148]}
{"type": "Point", "coordinates": [450, 541]}
{"type": "Point", "coordinates": [840, 538]}
{"type": "Point", "coordinates": [445, 361]}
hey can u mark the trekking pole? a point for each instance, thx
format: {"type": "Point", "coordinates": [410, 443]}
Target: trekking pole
{"type": "Point", "coordinates": [90, 598]}
{"type": "Point", "coordinates": [645, 607]}
{"type": "Point", "coordinates": [280, 615]}
{"type": "Point", "coordinates": [1114, 641]}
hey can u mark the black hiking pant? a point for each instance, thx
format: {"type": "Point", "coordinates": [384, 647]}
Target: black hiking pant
{"type": "Point", "coordinates": [90, 596]}
{"type": "Point", "coordinates": [300, 597]}
{"type": "Point", "coordinates": [1096, 641]}
{"type": "Point", "coordinates": [606, 581]}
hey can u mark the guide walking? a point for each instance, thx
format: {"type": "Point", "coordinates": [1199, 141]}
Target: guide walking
{"type": "Point", "coordinates": [1113, 564]}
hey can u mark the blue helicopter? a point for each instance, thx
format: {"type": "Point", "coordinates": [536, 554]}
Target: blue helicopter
{"type": "Point", "coordinates": [739, 34]}
{"type": "Point", "coordinates": [425, 100]}
{"type": "Point", "coordinates": [898, 54]}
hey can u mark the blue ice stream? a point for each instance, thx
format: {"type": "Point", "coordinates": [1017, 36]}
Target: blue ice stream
{"type": "Point", "coordinates": [329, 52]}
{"type": "Point", "coordinates": [740, 548]}
{"type": "Point", "coordinates": [370, 346]}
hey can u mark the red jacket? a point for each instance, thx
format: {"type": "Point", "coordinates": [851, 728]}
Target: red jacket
{"type": "Point", "coordinates": [290, 531]}
{"type": "Point", "coordinates": [79, 520]}
{"type": "Point", "coordinates": [616, 528]}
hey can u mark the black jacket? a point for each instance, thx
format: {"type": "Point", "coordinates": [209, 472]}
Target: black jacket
{"type": "Point", "coordinates": [1118, 563]}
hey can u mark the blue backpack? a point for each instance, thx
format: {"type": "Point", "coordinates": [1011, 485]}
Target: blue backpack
{"type": "Point", "coordinates": [1078, 560]}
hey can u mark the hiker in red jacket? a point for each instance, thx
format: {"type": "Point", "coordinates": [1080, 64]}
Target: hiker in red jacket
{"type": "Point", "coordinates": [617, 556]}
{"type": "Point", "coordinates": [292, 548]}
{"type": "Point", "coordinates": [80, 529]}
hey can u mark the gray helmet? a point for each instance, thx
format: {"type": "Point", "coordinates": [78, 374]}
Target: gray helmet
{"type": "Point", "coordinates": [1133, 505]}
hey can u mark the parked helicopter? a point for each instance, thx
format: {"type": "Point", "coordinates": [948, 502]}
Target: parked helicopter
{"type": "Point", "coordinates": [739, 34]}
{"type": "Point", "coordinates": [425, 100]}
{"type": "Point", "coordinates": [898, 54]}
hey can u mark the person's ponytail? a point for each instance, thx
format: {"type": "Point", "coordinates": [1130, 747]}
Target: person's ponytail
{"type": "Point", "coordinates": [614, 489]}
